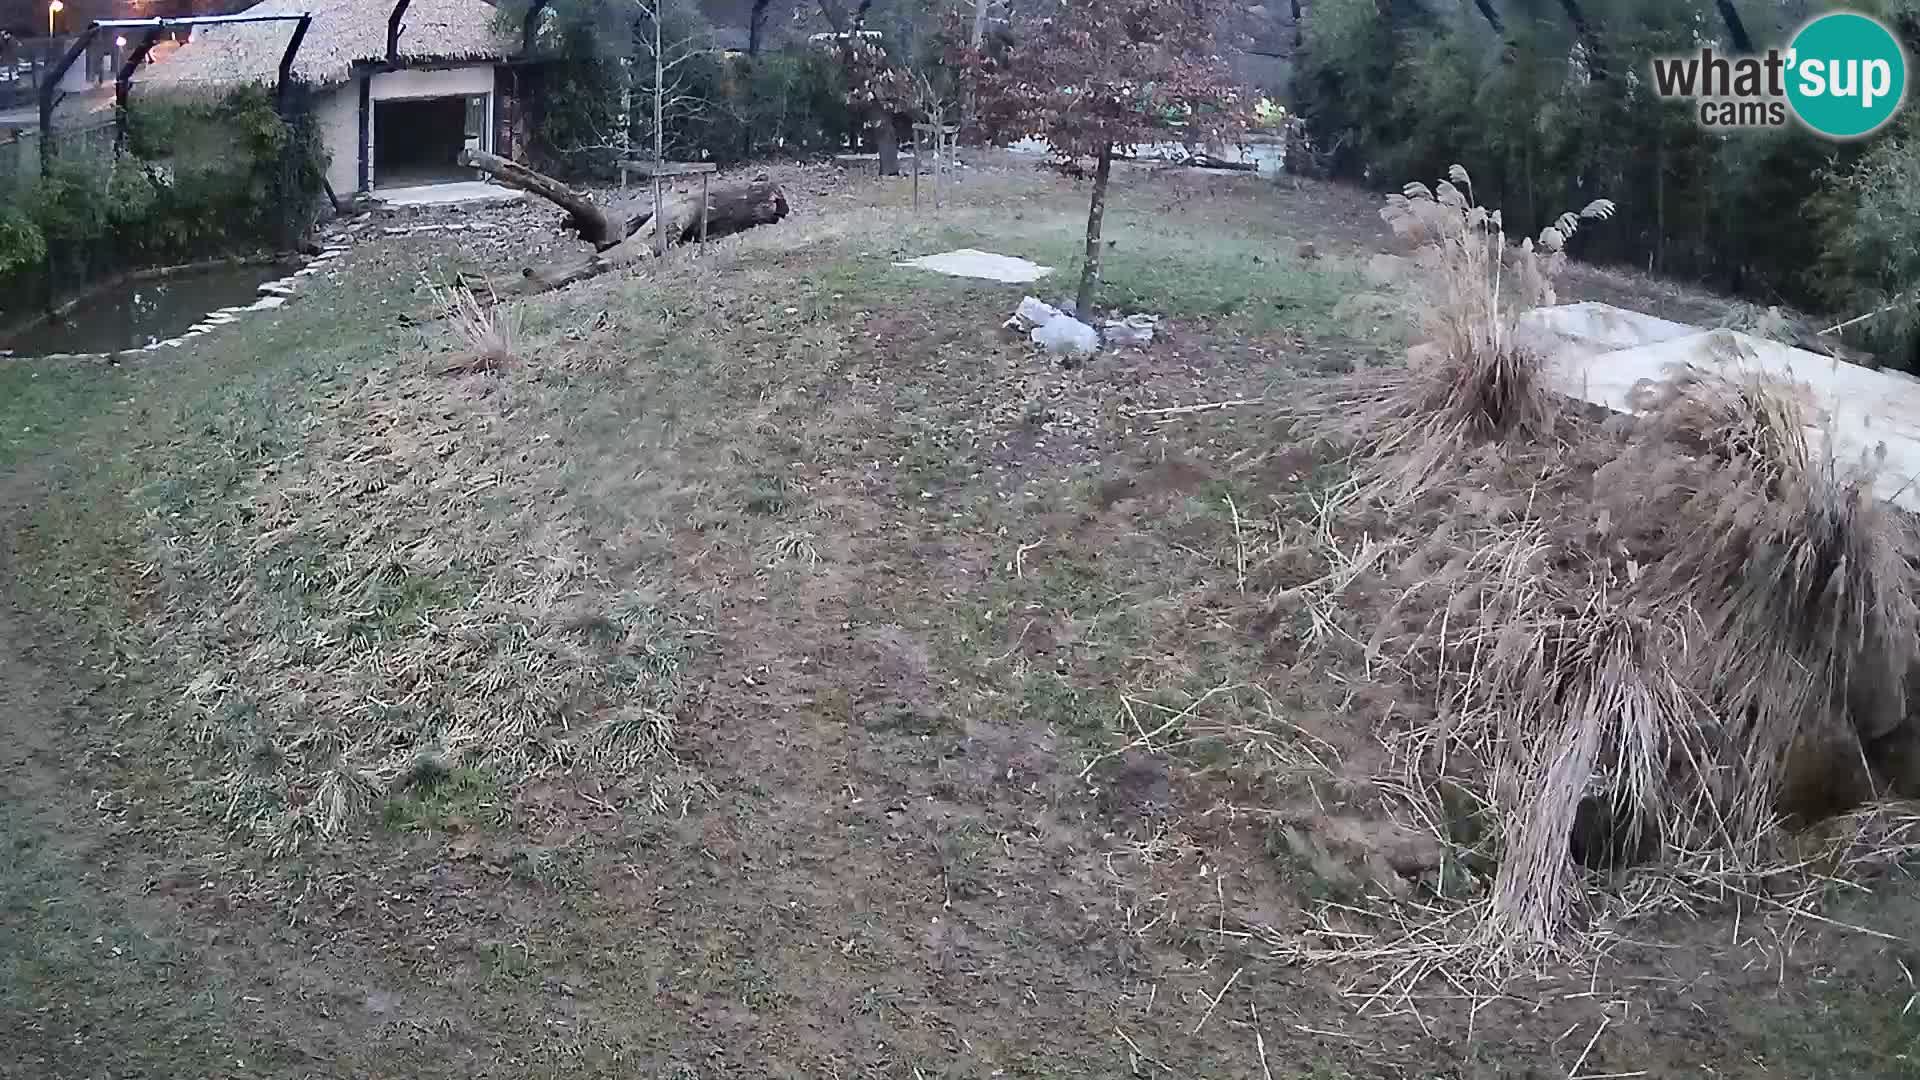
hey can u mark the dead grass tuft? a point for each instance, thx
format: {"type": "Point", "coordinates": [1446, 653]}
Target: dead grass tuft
{"type": "Point", "coordinates": [1475, 382]}
{"type": "Point", "coordinates": [485, 335]}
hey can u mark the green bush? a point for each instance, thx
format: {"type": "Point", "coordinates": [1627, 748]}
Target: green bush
{"type": "Point", "coordinates": [22, 245]}
{"type": "Point", "coordinates": [1870, 243]}
{"type": "Point", "coordinates": [198, 179]}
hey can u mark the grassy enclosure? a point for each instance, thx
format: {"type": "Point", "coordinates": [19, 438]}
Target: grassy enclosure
{"type": "Point", "coordinates": [763, 663]}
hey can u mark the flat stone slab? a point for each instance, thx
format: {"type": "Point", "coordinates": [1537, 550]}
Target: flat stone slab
{"type": "Point", "coordinates": [1592, 327]}
{"type": "Point", "coordinates": [451, 194]}
{"type": "Point", "coordinates": [984, 265]}
{"type": "Point", "coordinates": [1607, 356]}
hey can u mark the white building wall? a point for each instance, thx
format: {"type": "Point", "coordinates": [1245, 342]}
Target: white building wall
{"type": "Point", "coordinates": [451, 82]}
{"type": "Point", "coordinates": [339, 115]}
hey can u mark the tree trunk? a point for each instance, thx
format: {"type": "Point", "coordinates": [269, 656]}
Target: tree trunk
{"type": "Point", "coordinates": [1090, 273]}
{"type": "Point", "coordinates": [969, 102]}
{"type": "Point", "coordinates": [756, 22]}
{"type": "Point", "coordinates": [1736, 29]}
{"type": "Point", "coordinates": [886, 140]}
{"type": "Point", "coordinates": [592, 222]}
{"type": "Point", "coordinates": [730, 209]}
{"type": "Point", "coordinates": [1492, 15]}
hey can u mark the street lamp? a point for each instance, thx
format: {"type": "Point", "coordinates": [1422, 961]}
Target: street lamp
{"type": "Point", "coordinates": [54, 7]}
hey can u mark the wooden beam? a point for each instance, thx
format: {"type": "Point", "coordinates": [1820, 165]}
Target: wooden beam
{"type": "Point", "coordinates": [123, 85]}
{"type": "Point", "coordinates": [1492, 15]}
{"type": "Point", "coordinates": [363, 151]}
{"type": "Point", "coordinates": [285, 85]}
{"type": "Point", "coordinates": [393, 30]}
{"type": "Point", "coordinates": [1736, 29]}
{"type": "Point", "coordinates": [49, 94]}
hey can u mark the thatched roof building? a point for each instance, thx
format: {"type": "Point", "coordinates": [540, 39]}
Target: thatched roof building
{"type": "Point", "coordinates": [385, 121]}
{"type": "Point", "coordinates": [344, 33]}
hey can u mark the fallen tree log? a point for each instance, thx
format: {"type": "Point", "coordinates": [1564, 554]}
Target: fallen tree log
{"type": "Point", "coordinates": [730, 209]}
{"type": "Point", "coordinates": [594, 224]}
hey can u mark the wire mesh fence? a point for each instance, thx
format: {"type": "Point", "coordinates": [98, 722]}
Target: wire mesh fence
{"type": "Point", "coordinates": [21, 149]}
{"type": "Point", "coordinates": [190, 179]}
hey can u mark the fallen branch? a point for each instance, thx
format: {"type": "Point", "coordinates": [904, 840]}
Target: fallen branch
{"type": "Point", "coordinates": [1189, 410]}
{"type": "Point", "coordinates": [1855, 321]}
{"type": "Point", "coordinates": [624, 232]}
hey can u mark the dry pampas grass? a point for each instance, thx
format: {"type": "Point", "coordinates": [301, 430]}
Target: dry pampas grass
{"type": "Point", "coordinates": [1656, 659]}
{"type": "Point", "coordinates": [1650, 638]}
{"type": "Point", "coordinates": [1478, 382]}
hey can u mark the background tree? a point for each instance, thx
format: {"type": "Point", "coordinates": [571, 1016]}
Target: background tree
{"type": "Point", "coordinates": [875, 85]}
{"type": "Point", "coordinates": [1101, 77]}
{"type": "Point", "coordinates": [628, 74]}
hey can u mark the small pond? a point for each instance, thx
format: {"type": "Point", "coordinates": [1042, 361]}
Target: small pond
{"type": "Point", "coordinates": [129, 314]}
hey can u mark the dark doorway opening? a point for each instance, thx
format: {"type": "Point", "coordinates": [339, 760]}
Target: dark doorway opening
{"type": "Point", "coordinates": [418, 141]}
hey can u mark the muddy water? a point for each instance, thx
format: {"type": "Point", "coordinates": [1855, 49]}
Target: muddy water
{"type": "Point", "coordinates": [136, 313]}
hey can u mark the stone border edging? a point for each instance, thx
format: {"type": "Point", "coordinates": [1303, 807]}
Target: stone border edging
{"type": "Point", "coordinates": [273, 294]}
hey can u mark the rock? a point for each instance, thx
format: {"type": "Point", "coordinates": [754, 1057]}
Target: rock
{"type": "Point", "coordinates": [1133, 331]}
{"type": "Point", "coordinates": [1307, 252]}
{"type": "Point", "coordinates": [967, 262]}
{"type": "Point", "coordinates": [267, 303]}
{"type": "Point", "coordinates": [1066, 334]}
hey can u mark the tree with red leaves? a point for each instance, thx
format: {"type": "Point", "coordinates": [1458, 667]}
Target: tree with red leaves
{"type": "Point", "coordinates": [1101, 77]}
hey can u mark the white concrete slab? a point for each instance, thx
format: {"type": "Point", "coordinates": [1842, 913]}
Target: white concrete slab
{"type": "Point", "coordinates": [1596, 328]}
{"type": "Point", "coordinates": [454, 194]}
{"type": "Point", "coordinates": [985, 265]}
{"type": "Point", "coordinates": [1869, 413]}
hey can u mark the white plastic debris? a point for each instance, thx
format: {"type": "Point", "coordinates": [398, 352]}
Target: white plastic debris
{"type": "Point", "coordinates": [1065, 334]}
{"type": "Point", "coordinates": [1032, 313]}
{"type": "Point", "coordinates": [1052, 329]}
{"type": "Point", "coordinates": [1132, 331]}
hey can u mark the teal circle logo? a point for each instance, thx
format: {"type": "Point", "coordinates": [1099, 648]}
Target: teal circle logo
{"type": "Point", "coordinates": [1846, 75]}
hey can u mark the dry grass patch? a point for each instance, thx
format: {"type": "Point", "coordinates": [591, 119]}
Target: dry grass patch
{"type": "Point", "coordinates": [398, 590]}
